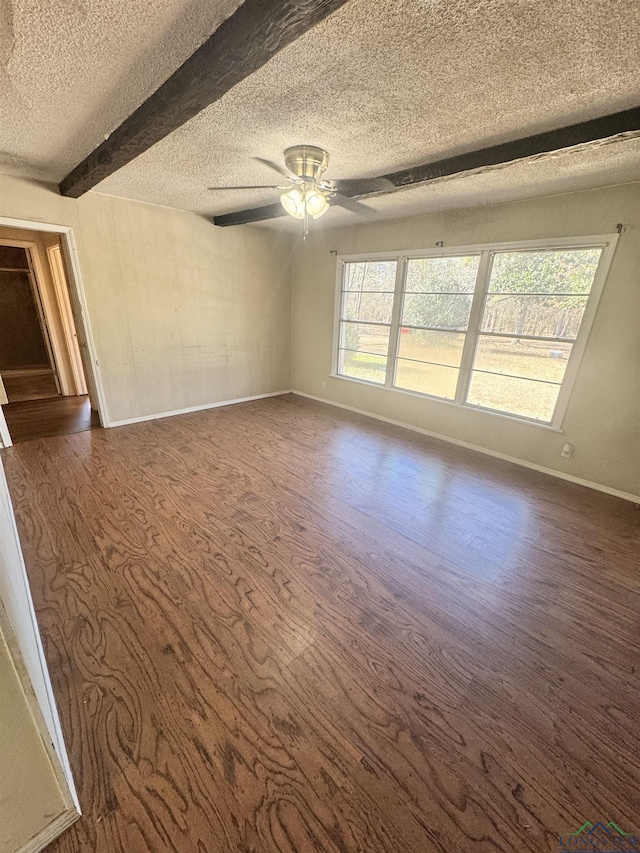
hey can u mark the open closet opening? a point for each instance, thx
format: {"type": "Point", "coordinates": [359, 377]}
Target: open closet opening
{"type": "Point", "coordinates": [43, 378]}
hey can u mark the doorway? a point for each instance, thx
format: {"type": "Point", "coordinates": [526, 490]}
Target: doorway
{"type": "Point", "coordinates": [44, 388]}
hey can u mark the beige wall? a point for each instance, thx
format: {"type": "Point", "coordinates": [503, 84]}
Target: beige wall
{"type": "Point", "coordinates": [16, 610]}
{"type": "Point", "coordinates": [183, 313]}
{"type": "Point", "coordinates": [603, 418]}
{"type": "Point", "coordinates": [31, 800]}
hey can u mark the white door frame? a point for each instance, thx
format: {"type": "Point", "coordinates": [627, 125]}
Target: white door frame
{"type": "Point", "coordinates": [77, 379]}
{"type": "Point", "coordinates": [75, 283]}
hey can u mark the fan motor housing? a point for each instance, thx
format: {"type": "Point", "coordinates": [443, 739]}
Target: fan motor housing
{"type": "Point", "coordinates": [306, 161]}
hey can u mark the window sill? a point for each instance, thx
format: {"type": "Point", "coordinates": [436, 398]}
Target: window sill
{"type": "Point", "coordinates": [450, 403]}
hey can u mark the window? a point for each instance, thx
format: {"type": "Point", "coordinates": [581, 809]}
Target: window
{"type": "Point", "coordinates": [438, 293]}
{"type": "Point", "coordinates": [365, 319]}
{"type": "Point", "coordinates": [498, 328]}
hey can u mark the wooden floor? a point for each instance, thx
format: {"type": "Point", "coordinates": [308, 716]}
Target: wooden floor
{"type": "Point", "coordinates": [20, 387]}
{"type": "Point", "coordinates": [47, 418]}
{"type": "Point", "coordinates": [280, 627]}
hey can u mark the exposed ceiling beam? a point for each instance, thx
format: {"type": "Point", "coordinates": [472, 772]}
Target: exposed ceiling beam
{"type": "Point", "coordinates": [244, 42]}
{"type": "Point", "coordinates": [252, 214]}
{"type": "Point", "coordinates": [584, 133]}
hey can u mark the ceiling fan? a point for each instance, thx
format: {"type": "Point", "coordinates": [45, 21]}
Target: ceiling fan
{"type": "Point", "coordinates": [305, 193]}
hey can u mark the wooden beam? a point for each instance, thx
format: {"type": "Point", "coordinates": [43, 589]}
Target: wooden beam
{"type": "Point", "coordinates": [595, 130]}
{"type": "Point", "coordinates": [244, 42]}
{"type": "Point", "coordinates": [252, 214]}
{"type": "Point", "coordinates": [583, 133]}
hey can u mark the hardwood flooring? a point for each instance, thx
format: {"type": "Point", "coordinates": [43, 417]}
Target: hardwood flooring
{"type": "Point", "coordinates": [47, 418]}
{"type": "Point", "coordinates": [20, 387]}
{"type": "Point", "coordinates": [280, 627]}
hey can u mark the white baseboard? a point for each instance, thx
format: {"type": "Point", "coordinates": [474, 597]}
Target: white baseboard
{"type": "Point", "coordinates": [50, 832]}
{"type": "Point", "coordinates": [195, 409]}
{"type": "Point", "coordinates": [560, 474]}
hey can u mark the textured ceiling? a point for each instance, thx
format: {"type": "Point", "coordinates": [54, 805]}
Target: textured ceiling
{"type": "Point", "coordinates": [567, 172]}
{"type": "Point", "coordinates": [72, 70]}
{"type": "Point", "coordinates": [382, 84]}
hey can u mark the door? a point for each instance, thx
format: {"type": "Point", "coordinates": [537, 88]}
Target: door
{"type": "Point", "coordinates": [69, 326]}
{"type": "Point", "coordinates": [76, 310]}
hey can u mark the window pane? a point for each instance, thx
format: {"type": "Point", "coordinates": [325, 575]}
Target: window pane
{"type": "Point", "coordinates": [359, 336]}
{"type": "Point", "coordinates": [362, 365]}
{"type": "Point", "coordinates": [435, 275]}
{"type": "Point", "coordinates": [427, 378]}
{"type": "Point", "coordinates": [370, 275]}
{"type": "Point", "coordinates": [438, 347]}
{"type": "Point", "coordinates": [374, 307]}
{"type": "Point", "coordinates": [530, 359]}
{"type": "Point", "coordinates": [443, 312]}
{"type": "Point", "coordinates": [546, 271]}
{"type": "Point", "coordinates": [547, 316]}
{"type": "Point", "coordinates": [517, 396]}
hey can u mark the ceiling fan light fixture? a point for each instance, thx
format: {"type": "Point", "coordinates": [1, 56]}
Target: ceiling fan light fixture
{"type": "Point", "coordinates": [306, 199]}
{"type": "Point", "coordinates": [293, 203]}
{"type": "Point", "coordinates": [316, 203]}
{"type": "Point", "coordinates": [306, 161]}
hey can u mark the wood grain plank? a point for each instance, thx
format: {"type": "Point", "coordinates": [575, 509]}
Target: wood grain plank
{"type": "Point", "coordinates": [44, 418]}
{"type": "Point", "coordinates": [259, 640]}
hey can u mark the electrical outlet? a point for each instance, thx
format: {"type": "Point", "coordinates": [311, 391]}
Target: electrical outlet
{"type": "Point", "coordinates": [323, 385]}
{"type": "Point", "coordinates": [567, 451]}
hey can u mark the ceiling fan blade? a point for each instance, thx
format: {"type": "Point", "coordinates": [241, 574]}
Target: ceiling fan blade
{"type": "Point", "coordinates": [256, 187]}
{"type": "Point", "coordinates": [364, 186]}
{"type": "Point", "coordinates": [352, 205]}
{"type": "Point", "coordinates": [279, 169]}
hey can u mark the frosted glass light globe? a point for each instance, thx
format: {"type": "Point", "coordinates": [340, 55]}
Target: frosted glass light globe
{"type": "Point", "coordinates": [293, 203]}
{"type": "Point", "coordinates": [316, 203]}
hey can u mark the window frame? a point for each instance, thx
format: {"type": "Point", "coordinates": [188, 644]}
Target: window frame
{"type": "Point", "coordinates": [486, 251]}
